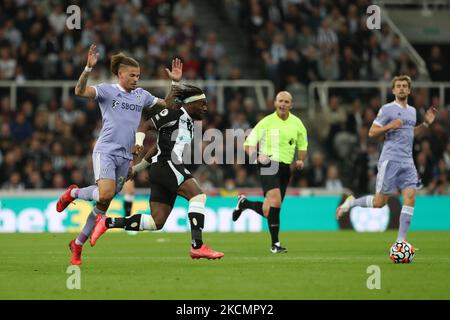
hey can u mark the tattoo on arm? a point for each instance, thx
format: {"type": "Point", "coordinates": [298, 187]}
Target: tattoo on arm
{"type": "Point", "coordinates": [82, 82]}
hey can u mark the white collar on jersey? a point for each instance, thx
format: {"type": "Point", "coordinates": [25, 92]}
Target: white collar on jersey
{"type": "Point", "coordinates": [185, 112]}
{"type": "Point", "coordinates": [400, 106]}
{"type": "Point", "coordinates": [118, 86]}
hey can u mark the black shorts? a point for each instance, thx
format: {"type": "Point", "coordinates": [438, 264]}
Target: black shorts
{"type": "Point", "coordinates": [279, 180]}
{"type": "Point", "coordinates": [165, 179]}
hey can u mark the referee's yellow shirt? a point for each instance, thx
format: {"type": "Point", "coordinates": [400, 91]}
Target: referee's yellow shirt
{"type": "Point", "coordinates": [279, 138]}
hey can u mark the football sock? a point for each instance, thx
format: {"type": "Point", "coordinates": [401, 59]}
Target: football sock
{"type": "Point", "coordinates": [116, 222]}
{"type": "Point", "coordinates": [274, 223]}
{"type": "Point", "coordinates": [127, 204]}
{"type": "Point", "coordinates": [197, 221]}
{"type": "Point", "coordinates": [365, 202]}
{"type": "Point", "coordinates": [254, 205]}
{"type": "Point", "coordinates": [136, 222]}
{"type": "Point", "coordinates": [89, 226]}
{"type": "Point", "coordinates": [89, 193]}
{"type": "Point", "coordinates": [405, 221]}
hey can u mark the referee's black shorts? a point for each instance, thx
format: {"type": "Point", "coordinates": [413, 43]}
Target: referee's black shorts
{"type": "Point", "coordinates": [165, 179]}
{"type": "Point", "coordinates": [279, 180]}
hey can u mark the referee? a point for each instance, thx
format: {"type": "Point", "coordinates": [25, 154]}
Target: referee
{"type": "Point", "coordinates": [274, 142]}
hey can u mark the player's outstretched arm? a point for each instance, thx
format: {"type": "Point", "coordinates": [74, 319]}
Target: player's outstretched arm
{"type": "Point", "coordinates": [81, 89]}
{"type": "Point", "coordinates": [175, 75]}
{"type": "Point", "coordinates": [144, 126]}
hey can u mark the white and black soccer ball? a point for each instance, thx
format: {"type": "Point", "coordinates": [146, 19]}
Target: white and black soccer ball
{"type": "Point", "coordinates": [402, 252]}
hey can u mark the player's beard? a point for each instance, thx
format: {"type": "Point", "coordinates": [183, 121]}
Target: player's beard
{"type": "Point", "coordinates": [402, 97]}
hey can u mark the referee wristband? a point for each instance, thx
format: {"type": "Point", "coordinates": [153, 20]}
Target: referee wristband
{"type": "Point", "coordinates": [175, 83]}
{"type": "Point", "coordinates": [425, 124]}
{"type": "Point", "coordinates": [140, 136]}
{"type": "Point", "coordinates": [140, 166]}
{"type": "Point", "coordinates": [87, 69]}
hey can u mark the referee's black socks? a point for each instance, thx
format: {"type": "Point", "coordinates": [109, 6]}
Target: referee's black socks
{"type": "Point", "coordinates": [254, 205]}
{"type": "Point", "coordinates": [197, 221]}
{"type": "Point", "coordinates": [274, 223]}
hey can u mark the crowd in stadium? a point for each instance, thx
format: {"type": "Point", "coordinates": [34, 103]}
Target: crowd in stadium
{"type": "Point", "coordinates": [44, 144]}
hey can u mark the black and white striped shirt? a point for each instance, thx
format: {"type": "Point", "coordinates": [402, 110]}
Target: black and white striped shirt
{"type": "Point", "coordinates": [175, 132]}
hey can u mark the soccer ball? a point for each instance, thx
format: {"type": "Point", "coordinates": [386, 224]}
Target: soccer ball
{"type": "Point", "coordinates": [402, 252]}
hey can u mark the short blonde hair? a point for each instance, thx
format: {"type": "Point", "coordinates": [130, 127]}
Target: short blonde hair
{"type": "Point", "coordinates": [401, 78]}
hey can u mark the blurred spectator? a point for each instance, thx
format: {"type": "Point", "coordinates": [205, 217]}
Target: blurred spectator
{"type": "Point", "coordinates": [7, 65]}
{"type": "Point", "coordinates": [327, 39]}
{"type": "Point", "coordinates": [182, 11]}
{"type": "Point", "coordinates": [333, 123]}
{"type": "Point", "coordinates": [424, 168]}
{"type": "Point", "coordinates": [328, 68]}
{"type": "Point", "coordinates": [21, 128]}
{"type": "Point", "coordinates": [57, 19]}
{"type": "Point", "coordinates": [333, 183]}
{"type": "Point", "coordinates": [211, 45]}
{"type": "Point", "coordinates": [14, 183]}
{"type": "Point", "coordinates": [69, 114]}
{"type": "Point", "coordinates": [242, 180]}
{"type": "Point", "coordinates": [58, 181]}
{"type": "Point", "coordinates": [437, 65]}
{"type": "Point", "coordinates": [316, 174]}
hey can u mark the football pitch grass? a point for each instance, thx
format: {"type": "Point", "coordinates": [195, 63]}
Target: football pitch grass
{"type": "Point", "coordinates": [319, 265]}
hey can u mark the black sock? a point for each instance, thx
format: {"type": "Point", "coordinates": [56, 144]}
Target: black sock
{"type": "Point", "coordinates": [254, 205]}
{"type": "Point", "coordinates": [115, 223]}
{"type": "Point", "coordinates": [127, 206]}
{"type": "Point", "coordinates": [274, 223]}
{"type": "Point", "coordinates": [129, 223]}
{"type": "Point", "coordinates": [197, 221]}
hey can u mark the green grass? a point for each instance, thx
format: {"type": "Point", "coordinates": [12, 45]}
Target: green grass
{"type": "Point", "coordinates": [319, 265]}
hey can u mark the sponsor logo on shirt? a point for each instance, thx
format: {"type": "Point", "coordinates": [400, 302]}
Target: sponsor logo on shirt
{"type": "Point", "coordinates": [131, 107]}
{"type": "Point", "coordinates": [115, 104]}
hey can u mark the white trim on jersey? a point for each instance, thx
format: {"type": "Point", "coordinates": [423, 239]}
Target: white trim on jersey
{"type": "Point", "coordinates": [96, 92]}
{"type": "Point", "coordinates": [154, 123]}
{"type": "Point", "coordinates": [96, 164]}
{"type": "Point", "coordinates": [381, 174]}
{"type": "Point", "coordinates": [118, 86]}
{"type": "Point", "coordinates": [153, 103]}
{"type": "Point", "coordinates": [180, 177]}
{"type": "Point", "coordinates": [178, 148]}
{"type": "Point", "coordinates": [377, 123]}
{"type": "Point", "coordinates": [168, 124]}
{"type": "Point", "coordinates": [155, 157]}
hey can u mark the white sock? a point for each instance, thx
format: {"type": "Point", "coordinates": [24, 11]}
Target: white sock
{"type": "Point", "coordinates": [147, 223]}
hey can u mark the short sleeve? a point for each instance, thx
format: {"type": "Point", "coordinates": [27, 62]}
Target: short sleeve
{"type": "Point", "coordinates": [166, 118]}
{"type": "Point", "coordinates": [302, 138]}
{"type": "Point", "coordinates": [149, 99]}
{"type": "Point", "coordinates": [100, 91]}
{"type": "Point", "coordinates": [255, 135]}
{"type": "Point", "coordinates": [382, 118]}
